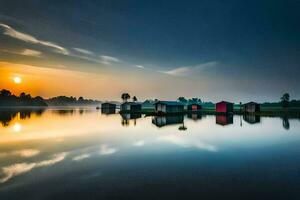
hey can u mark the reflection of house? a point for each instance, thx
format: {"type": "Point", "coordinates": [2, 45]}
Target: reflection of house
{"type": "Point", "coordinates": [224, 107]}
{"type": "Point", "coordinates": [160, 121]}
{"type": "Point", "coordinates": [108, 111]}
{"type": "Point", "coordinates": [126, 118]}
{"type": "Point", "coordinates": [194, 116]}
{"type": "Point", "coordinates": [129, 116]}
{"type": "Point", "coordinates": [131, 107]}
{"type": "Point", "coordinates": [251, 107]}
{"type": "Point", "coordinates": [169, 107]}
{"type": "Point", "coordinates": [252, 119]}
{"type": "Point", "coordinates": [224, 119]}
{"type": "Point", "coordinates": [194, 107]}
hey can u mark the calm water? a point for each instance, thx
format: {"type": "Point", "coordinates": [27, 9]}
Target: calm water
{"type": "Point", "coordinates": [83, 154]}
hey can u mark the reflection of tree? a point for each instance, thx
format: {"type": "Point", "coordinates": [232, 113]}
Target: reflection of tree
{"type": "Point", "coordinates": [125, 122]}
{"type": "Point", "coordinates": [64, 112]}
{"type": "Point", "coordinates": [286, 123]}
{"type": "Point", "coordinates": [6, 117]}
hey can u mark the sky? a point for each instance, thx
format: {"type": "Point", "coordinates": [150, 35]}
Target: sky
{"type": "Point", "coordinates": [211, 49]}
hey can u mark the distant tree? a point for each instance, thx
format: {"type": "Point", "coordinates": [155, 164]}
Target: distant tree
{"type": "Point", "coordinates": [134, 99]}
{"type": "Point", "coordinates": [285, 100]}
{"type": "Point", "coordinates": [182, 99]}
{"type": "Point", "coordinates": [80, 99]}
{"type": "Point", "coordinates": [5, 93]}
{"type": "Point", "coordinates": [125, 97]}
{"type": "Point", "coordinates": [195, 100]}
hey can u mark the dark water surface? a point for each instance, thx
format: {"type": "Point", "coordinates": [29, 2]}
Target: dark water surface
{"type": "Point", "coordinates": [83, 154]}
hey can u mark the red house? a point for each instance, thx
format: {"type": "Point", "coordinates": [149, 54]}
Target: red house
{"type": "Point", "coordinates": [224, 107]}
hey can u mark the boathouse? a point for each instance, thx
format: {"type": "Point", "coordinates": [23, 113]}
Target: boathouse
{"type": "Point", "coordinates": [251, 107]}
{"type": "Point", "coordinates": [224, 107]}
{"type": "Point", "coordinates": [169, 107]}
{"type": "Point", "coordinates": [108, 106]}
{"type": "Point", "coordinates": [131, 107]}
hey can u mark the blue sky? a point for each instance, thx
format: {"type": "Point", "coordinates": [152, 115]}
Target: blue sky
{"type": "Point", "coordinates": [233, 50]}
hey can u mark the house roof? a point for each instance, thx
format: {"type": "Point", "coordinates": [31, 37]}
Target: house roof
{"type": "Point", "coordinates": [170, 103]}
{"type": "Point", "coordinates": [131, 103]}
{"type": "Point", "coordinates": [108, 103]}
{"type": "Point", "coordinates": [251, 102]}
{"type": "Point", "coordinates": [224, 102]}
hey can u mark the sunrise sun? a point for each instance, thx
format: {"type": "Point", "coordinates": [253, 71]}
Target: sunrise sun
{"type": "Point", "coordinates": [17, 80]}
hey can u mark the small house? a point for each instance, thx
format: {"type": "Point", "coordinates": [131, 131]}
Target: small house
{"type": "Point", "coordinates": [194, 107]}
{"type": "Point", "coordinates": [169, 107]}
{"type": "Point", "coordinates": [224, 107]}
{"type": "Point", "coordinates": [131, 107]}
{"type": "Point", "coordinates": [108, 108]}
{"type": "Point", "coordinates": [251, 107]}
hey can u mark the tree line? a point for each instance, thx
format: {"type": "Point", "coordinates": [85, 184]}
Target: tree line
{"type": "Point", "coordinates": [8, 99]}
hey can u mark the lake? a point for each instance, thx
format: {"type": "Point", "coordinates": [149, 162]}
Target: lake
{"type": "Point", "coordinates": [82, 153]}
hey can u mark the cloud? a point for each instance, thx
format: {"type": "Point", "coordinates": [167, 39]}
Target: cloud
{"type": "Point", "coordinates": [25, 153]}
{"type": "Point", "coordinates": [81, 157]}
{"type": "Point", "coordinates": [105, 150]}
{"type": "Point", "coordinates": [108, 59]}
{"type": "Point", "coordinates": [21, 168]}
{"type": "Point", "coordinates": [139, 143]}
{"type": "Point", "coordinates": [25, 52]}
{"type": "Point", "coordinates": [187, 142]}
{"type": "Point", "coordinates": [9, 31]}
{"type": "Point", "coordinates": [190, 70]}
{"type": "Point", "coordinates": [30, 52]}
{"type": "Point", "coordinates": [139, 66]}
{"type": "Point", "coordinates": [84, 51]}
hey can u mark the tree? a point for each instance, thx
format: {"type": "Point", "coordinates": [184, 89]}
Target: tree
{"type": "Point", "coordinates": [5, 93]}
{"type": "Point", "coordinates": [134, 99]}
{"type": "Point", "coordinates": [125, 97]}
{"type": "Point", "coordinates": [182, 99]}
{"type": "Point", "coordinates": [285, 100]}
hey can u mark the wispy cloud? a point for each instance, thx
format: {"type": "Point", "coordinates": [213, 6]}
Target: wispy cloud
{"type": "Point", "coordinates": [107, 60]}
{"type": "Point", "coordinates": [187, 143]}
{"type": "Point", "coordinates": [190, 70]}
{"type": "Point", "coordinates": [139, 143]}
{"type": "Point", "coordinates": [81, 157]}
{"type": "Point", "coordinates": [9, 31]}
{"type": "Point", "coordinates": [84, 51]}
{"type": "Point", "coordinates": [25, 153]}
{"type": "Point", "coordinates": [25, 52]}
{"type": "Point", "coordinates": [139, 66]}
{"type": "Point", "coordinates": [106, 150]}
{"type": "Point", "coordinates": [30, 52]}
{"type": "Point", "coordinates": [21, 168]}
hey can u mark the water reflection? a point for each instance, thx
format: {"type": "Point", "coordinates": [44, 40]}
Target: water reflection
{"type": "Point", "coordinates": [108, 111]}
{"type": "Point", "coordinates": [251, 118]}
{"type": "Point", "coordinates": [128, 117]}
{"type": "Point", "coordinates": [86, 150]}
{"type": "Point", "coordinates": [194, 116]}
{"type": "Point", "coordinates": [7, 115]}
{"type": "Point", "coordinates": [161, 121]}
{"type": "Point", "coordinates": [224, 119]}
{"type": "Point", "coordinates": [285, 122]}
